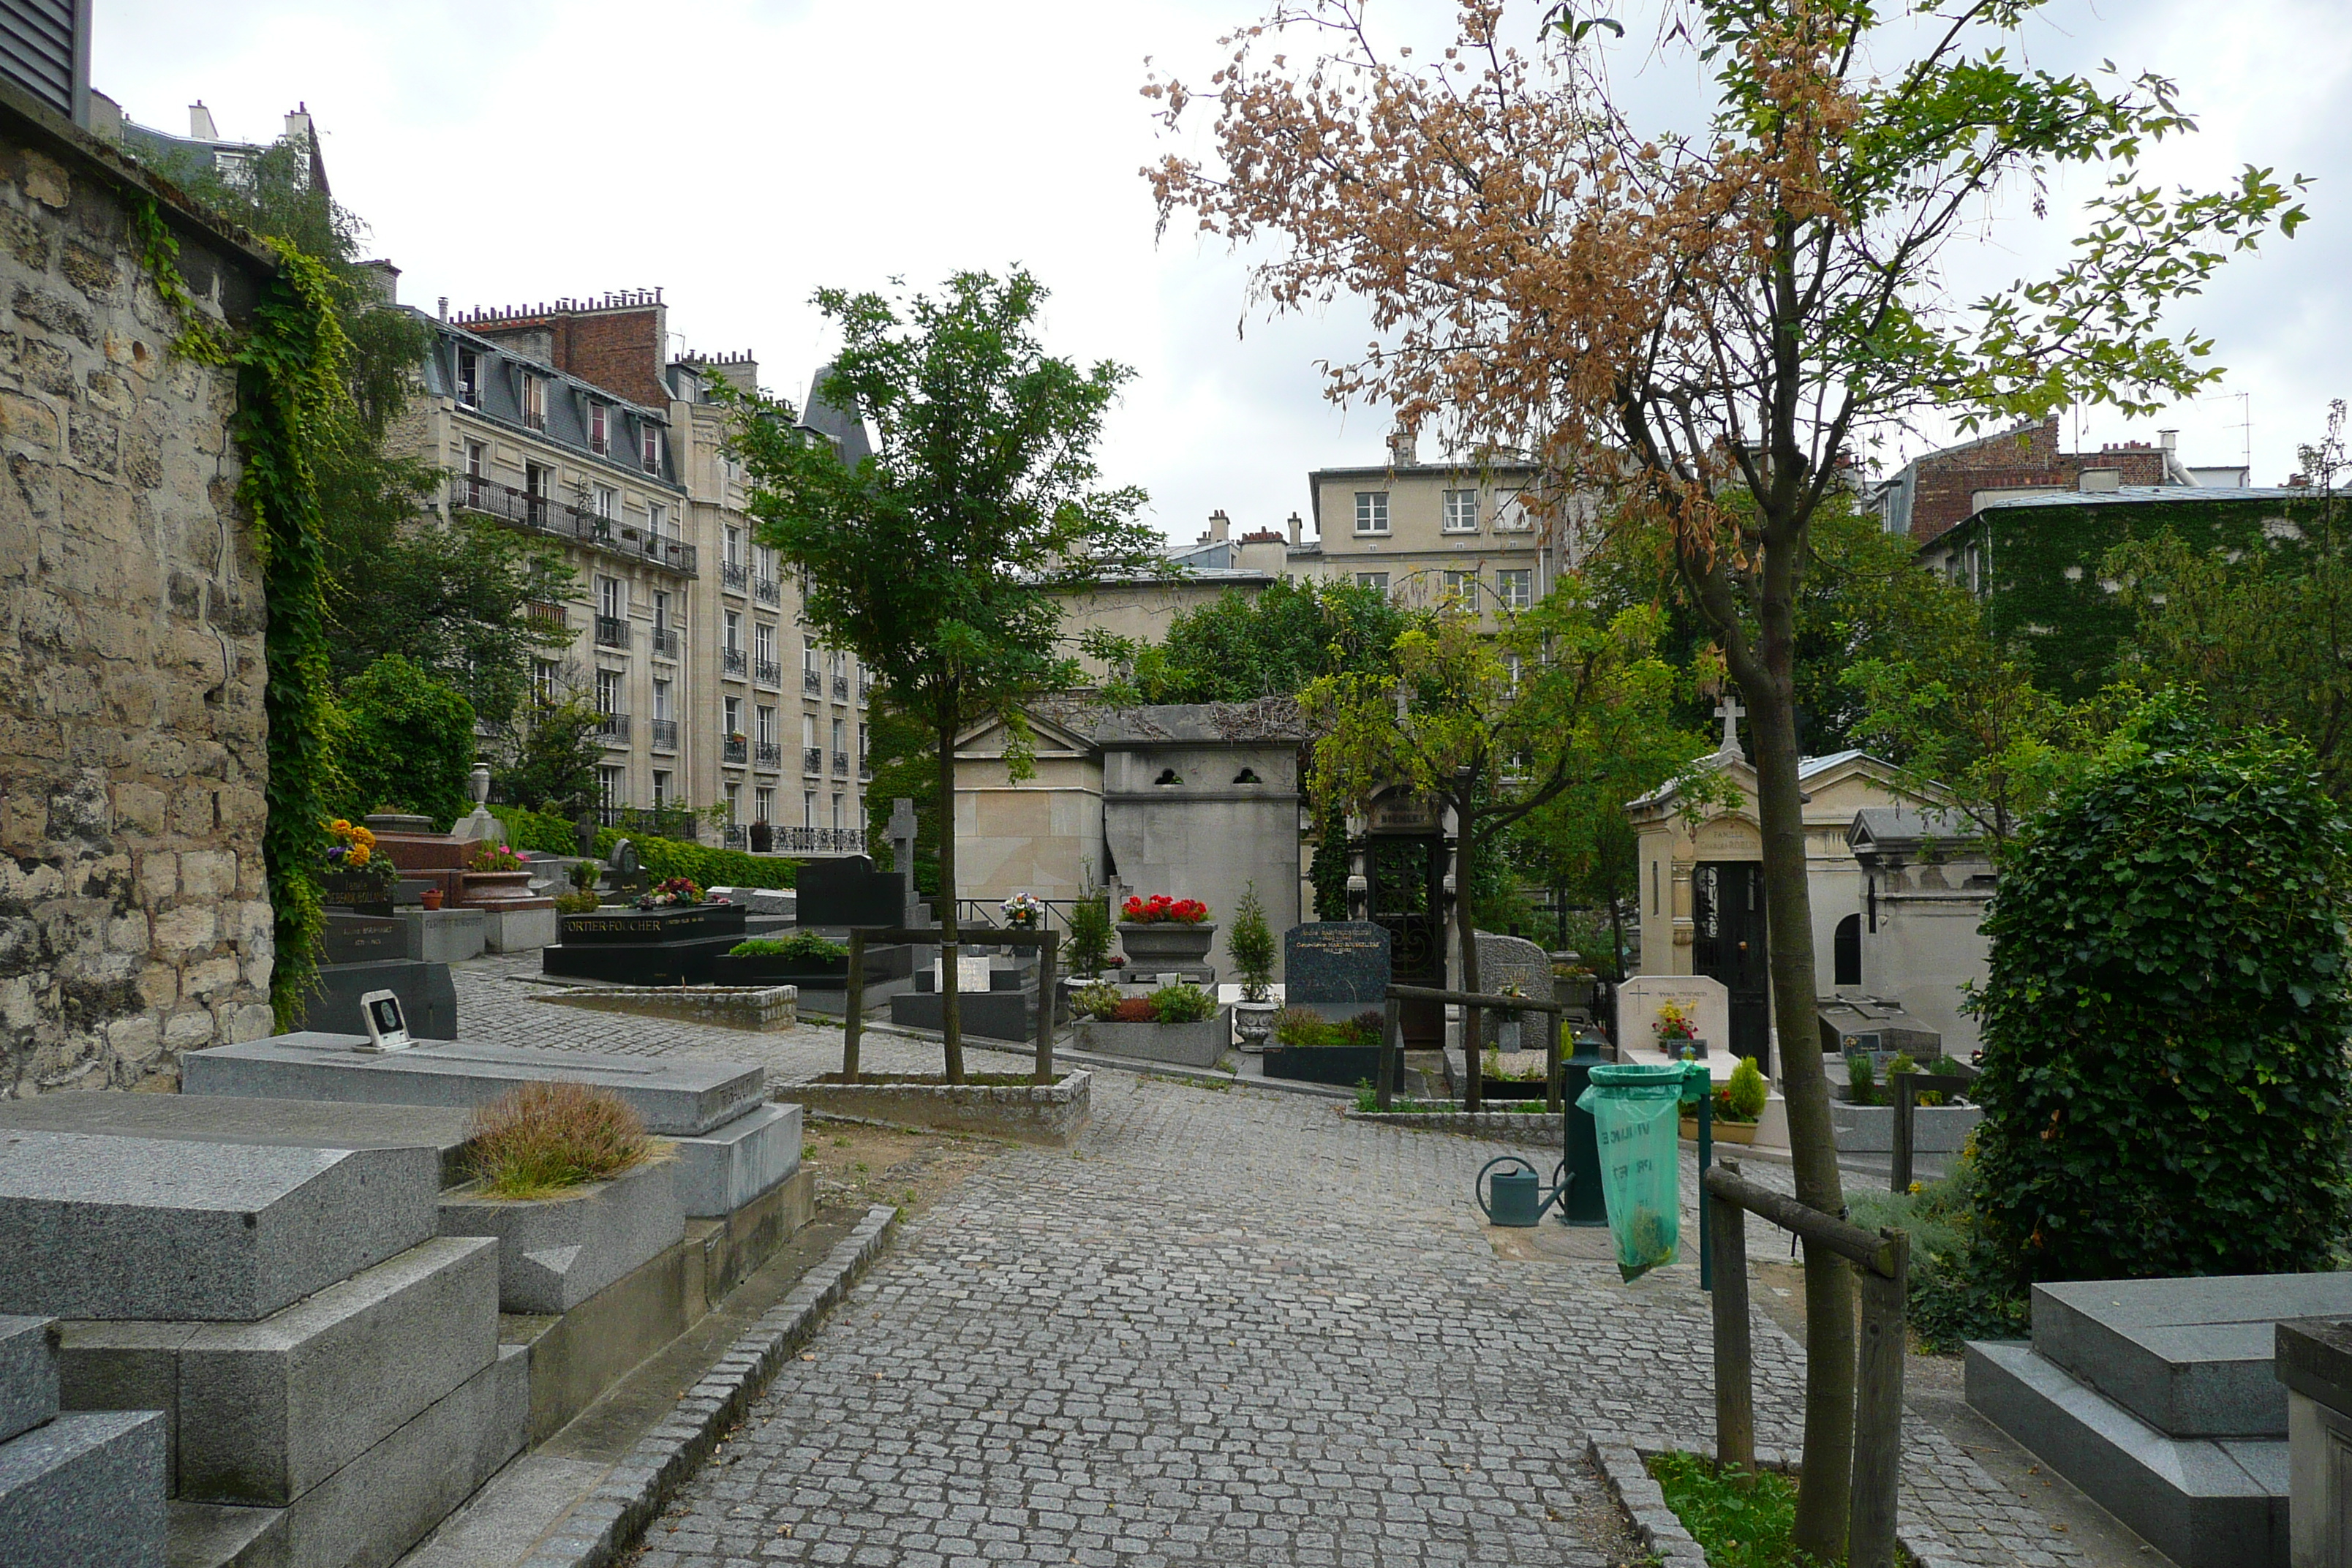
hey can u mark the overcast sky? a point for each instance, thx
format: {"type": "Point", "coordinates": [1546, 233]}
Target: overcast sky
{"type": "Point", "coordinates": [741, 153]}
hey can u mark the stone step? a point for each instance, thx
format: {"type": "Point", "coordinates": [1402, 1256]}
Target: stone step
{"type": "Point", "coordinates": [84, 1492]}
{"type": "Point", "coordinates": [727, 1167]}
{"type": "Point", "coordinates": [2189, 1357]}
{"type": "Point", "coordinates": [28, 1373]}
{"type": "Point", "coordinates": [554, 1253]}
{"type": "Point", "coordinates": [675, 1099]}
{"type": "Point", "coordinates": [2204, 1503]}
{"type": "Point", "coordinates": [118, 1228]}
{"type": "Point", "coordinates": [211, 1535]}
{"type": "Point", "coordinates": [261, 1412]}
{"type": "Point", "coordinates": [290, 1123]}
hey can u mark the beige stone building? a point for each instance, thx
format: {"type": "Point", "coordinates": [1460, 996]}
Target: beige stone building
{"type": "Point", "coordinates": [134, 916]}
{"type": "Point", "coordinates": [570, 420]}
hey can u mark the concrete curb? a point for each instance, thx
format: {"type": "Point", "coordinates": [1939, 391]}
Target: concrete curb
{"type": "Point", "coordinates": [1620, 1458]}
{"type": "Point", "coordinates": [606, 1523]}
{"type": "Point", "coordinates": [1136, 1065]}
{"type": "Point", "coordinates": [1536, 1130]}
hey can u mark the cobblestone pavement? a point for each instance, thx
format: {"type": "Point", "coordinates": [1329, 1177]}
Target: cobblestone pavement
{"type": "Point", "coordinates": [1230, 1327]}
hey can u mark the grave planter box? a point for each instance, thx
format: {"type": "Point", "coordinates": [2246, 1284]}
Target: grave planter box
{"type": "Point", "coordinates": [675, 924]}
{"type": "Point", "coordinates": [1166, 945]}
{"type": "Point", "coordinates": [556, 1252]}
{"type": "Point", "coordinates": [1935, 1129]}
{"type": "Point", "coordinates": [1342, 1066]}
{"type": "Point", "coordinates": [1510, 1088]}
{"type": "Point", "coordinates": [360, 894]}
{"type": "Point", "coordinates": [777, 969]}
{"type": "Point", "coordinates": [1196, 1045]}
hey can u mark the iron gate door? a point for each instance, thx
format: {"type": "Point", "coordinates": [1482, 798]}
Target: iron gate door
{"type": "Point", "coordinates": [1408, 897]}
{"type": "Point", "coordinates": [1728, 944]}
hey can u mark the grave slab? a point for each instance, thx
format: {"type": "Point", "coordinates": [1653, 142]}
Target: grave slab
{"type": "Point", "coordinates": [28, 1373]}
{"type": "Point", "coordinates": [556, 1252]}
{"type": "Point", "coordinates": [289, 1123]}
{"type": "Point", "coordinates": [1335, 968]}
{"type": "Point", "coordinates": [427, 995]}
{"type": "Point", "coordinates": [1640, 997]}
{"type": "Point", "coordinates": [140, 1228]}
{"type": "Point", "coordinates": [84, 1492]}
{"type": "Point", "coordinates": [726, 1168]}
{"type": "Point", "coordinates": [443, 936]}
{"type": "Point", "coordinates": [674, 1098]}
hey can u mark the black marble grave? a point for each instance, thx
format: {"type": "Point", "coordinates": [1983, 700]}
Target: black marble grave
{"type": "Point", "coordinates": [1007, 1010]}
{"type": "Point", "coordinates": [674, 946]}
{"type": "Point", "coordinates": [834, 894]}
{"type": "Point", "coordinates": [360, 953]}
{"type": "Point", "coordinates": [1335, 968]}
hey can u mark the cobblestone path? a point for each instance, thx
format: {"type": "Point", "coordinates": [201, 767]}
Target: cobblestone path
{"type": "Point", "coordinates": [1230, 1327]}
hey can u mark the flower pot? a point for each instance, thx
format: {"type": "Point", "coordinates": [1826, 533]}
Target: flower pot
{"type": "Point", "coordinates": [1253, 1021]}
{"type": "Point", "coordinates": [1166, 942]}
{"type": "Point", "coordinates": [1724, 1131]}
{"type": "Point", "coordinates": [432, 898]}
{"type": "Point", "coordinates": [1198, 1043]}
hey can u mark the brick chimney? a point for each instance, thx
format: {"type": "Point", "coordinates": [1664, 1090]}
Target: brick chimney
{"type": "Point", "coordinates": [617, 342]}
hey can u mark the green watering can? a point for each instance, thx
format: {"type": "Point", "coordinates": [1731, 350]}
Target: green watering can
{"type": "Point", "coordinates": [1516, 1197]}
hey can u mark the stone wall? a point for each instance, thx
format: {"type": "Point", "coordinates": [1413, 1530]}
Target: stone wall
{"type": "Point", "coordinates": [134, 914]}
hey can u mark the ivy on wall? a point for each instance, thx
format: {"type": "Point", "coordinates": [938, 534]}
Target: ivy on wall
{"type": "Point", "coordinates": [288, 361]}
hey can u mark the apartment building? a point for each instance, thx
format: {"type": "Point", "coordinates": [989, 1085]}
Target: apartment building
{"type": "Point", "coordinates": [571, 420]}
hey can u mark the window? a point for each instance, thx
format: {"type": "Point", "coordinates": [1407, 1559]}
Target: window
{"type": "Point", "coordinates": [661, 699]}
{"type": "Point", "coordinates": [658, 520]}
{"type": "Point", "coordinates": [474, 459]}
{"type": "Point", "coordinates": [611, 597]}
{"type": "Point", "coordinates": [609, 789]}
{"type": "Point", "coordinates": [839, 740]}
{"type": "Point", "coordinates": [661, 609]}
{"type": "Point", "coordinates": [1463, 586]}
{"type": "Point", "coordinates": [1845, 944]}
{"type": "Point", "coordinates": [808, 731]}
{"type": "Point", "coordinates": [534, 482]}
{"type": "Point", "coordinates": [836, 663]}
{"type": "Point", "coordinates": [1514, 518]}
{"type": "Point", "coordinates": [544, 674]}
{"type": "Point", "coordinates": [1461, 511]}
{"type": "Point", "coordinates": [734, 643]}
{"type": "Point", "coordinates": [763, 642]}
{"type": "Point", "coordinates": [808, 658]}
{"type": "Point", "coordinates": [734, 545]}
{"type": "Point", "coordinates": [661, 788]}
{"type": "Point", "coordinates": [1516, 587]}
{"type": "Point", "coordinates": [1372, 511]}
{"type": "Point", "coordinates": [608, 691]}
{"type": "Point", "coordinates": [767, 725]}
{"type": "Point", "coordinates": [733, 708]}
{"type": "Point", "coordinates": [836, 813]}
{"type": "Point", "coordinates": [1512, 663]}
{"type": "Point", "coordinates": [534, 402]}
{"type": "Point", "coordinates": [608, 503]}
{"type": "Point", "coordinates": [808, 808]}
{"type": "Point", "coordinates": [763, 804]}
{"type": "Point", "coordinates": [652, 448]}
{"type": "Point", "coordinates": [600, 430]}
{"type": "Point", "coordinates": [1376, 581]}
{"type": "Point", "coordinates": [469, 378]}
{"type": "Point", "coordinates": [734, 804]}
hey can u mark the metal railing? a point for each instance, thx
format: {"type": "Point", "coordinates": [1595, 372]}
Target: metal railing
{"type": "Point", "coordinates": [767, 672]}
{"type": "Point", "coordinates": [665, 642]}
{"type": "Point", "coordinates": [865, 685]}
{"type": "Point", "coordinates": [811, 683]}
{"type": "Point", "coordinates": [733, 576]}
{"type": "Point", "coordinates": [769, 754]}
{"type": "Point", "coordinates": [612, 631]}
{"type": "Point", "coordinates": [554, 618]}
{"type": "Point", "coordinates": [841, 688]}
{"type": "Point", "coordinates": [613, 729]}
{"type": "Point", "coordinates": [820, 840]}
{"type": "Point", "coordinates": [812, 759]}
{"type": "Point", "coordinates": [864, 768]}
{"type": "Point", "coordinates": [733, 661]}
{"type": "Point", "coordinates": [735, 751]}
{"type": "Point", "coordinates": [656, 822]}
{"type": "Point", "coordinates": [841, 764]}
{"type": "Point", "coordinates": [767, 590]}
{"type": "Point", "coordinates": [545, 514]}
{"type": "Point", "coordinates": [665, 735]}
{"type": "Point", "coordinates": [735, 837]}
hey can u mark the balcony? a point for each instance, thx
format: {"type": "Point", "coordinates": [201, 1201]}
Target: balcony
{"type": "Point", "coordinates": [865, 686]}
{"type": "Point", "coordinates": [661, 822]}
{"type": "Point", "coordinates": [735, 837]}
{"type": "Point", "coordinates": [734, 750]}
{"type": "Point", "coordinates": [767, 590]}
{"type": "Point", "coordinates": [865, 769]}
{"type": "Point", "coordinates": [613, 729]}
{"type": "Point", "coordinates": [811, 683]}
{"type": "Point", "coordinates": [733, 576]}
{"type": "Point", "coordinates": [767, 672]}
{"type": "Point", "coordinates": [820, 840]}
{"type": "Point", "coordinates": [612, 631]}
{"type": "Point", "coordinates": [664, 641]}
{"type": "Point", "coordinates": [732, 662]}
{"type": "Point", "coordinates": [841, 764]}
{"type": "Point", "coordinates": [770, 755]}
{"type": "Point", "coordinates": [813, 759]}
{"type": "Point", "coordinates": [841, 688]}
{"type": "Point", "coordinates": [545, 514]}
{"type": "Point", "coordinates": [547, 618]}
{"type": "Point", "coordinates": [665, 735]}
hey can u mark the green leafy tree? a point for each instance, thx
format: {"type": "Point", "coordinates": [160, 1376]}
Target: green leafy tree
{"type": "Point", "coordinates": [1239, 647]}
{"type": "Point", "coordinates": [405, 739]}
{"type": "Point", "coordinates": [939, 557]}
{"type": "Point", "coordinates": [548, 752]}
{"type": "Point", "coordinates": [2165, 1081]}
{"type": "Point", "coordinates": [1496, 726]}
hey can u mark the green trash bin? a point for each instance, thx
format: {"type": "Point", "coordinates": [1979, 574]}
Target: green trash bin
{"type": "Point", "coordinates": [1636, 1118]}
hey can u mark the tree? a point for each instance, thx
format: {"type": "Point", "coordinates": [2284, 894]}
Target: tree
{"type": "Point", "coordinates": [1496, 726]}
{"type": "Point", "coordinates": [406, 740]}
{"type": "Point", "coordinates": [940, 557]}
{"type": "Point", "coordinates": [1238, 648]}
{"type": "Point", "coordinates": [548, 750]}
{"type": "Point", "coordinates": [906, 767]}
{"type": "Point", "coordinates": [1703, 324]}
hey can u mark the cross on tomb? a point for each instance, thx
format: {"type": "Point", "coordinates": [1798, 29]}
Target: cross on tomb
{"type": "Point", "coordinates": [1730, 712]}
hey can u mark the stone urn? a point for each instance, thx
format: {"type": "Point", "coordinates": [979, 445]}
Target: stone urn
{"type": "Point", "coordinates": [1166, 943]}
{"type": "Point", "coordinates": [1253, 1021]}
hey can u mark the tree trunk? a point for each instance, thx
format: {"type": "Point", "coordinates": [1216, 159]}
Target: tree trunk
{"type": "Point", "coordinates": [1617, 938]}
{"type": "Point", "coordinates": [951, 1014]}
{"type": "Point", "coordinates": [1822, 1498]}
{"type": "Point", "coordinates": [1471, 1097]}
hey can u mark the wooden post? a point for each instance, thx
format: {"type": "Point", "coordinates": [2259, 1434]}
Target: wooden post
{"type": "Point", "coordinates": [1878, 1410]}
{"type": "Point", "coordinates": [1048, 1001]}
{"type": "Point", "coordinates": [1900, 1093]}
{"type": "Point", "coordinates": [1392, 1043]}
{"type": "Point", "coordinates": [1552, 1068]}
{"type": "Point", "coordinates": [1734, 1373]}
{"type": "Point", "coordinates": [853, 1005]}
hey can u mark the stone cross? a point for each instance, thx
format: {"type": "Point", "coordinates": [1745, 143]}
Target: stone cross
{"type": "Point", "coordinates": [902, 859]}
{"type": "Point", "coordinates": [1730, 712]}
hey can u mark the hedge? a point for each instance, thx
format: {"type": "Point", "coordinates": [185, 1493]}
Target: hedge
{"type": "Point", "coordinates": [661, 858]}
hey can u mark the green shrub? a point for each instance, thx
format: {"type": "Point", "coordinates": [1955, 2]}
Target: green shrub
{"type": "Point", "coordinates": [1961, 1288]}
{"type": "Point", "coordinates": [579, 902]}
{"type": "Point", "coordinates": [584, 873]}
{"type": "Point", "coordinates": [1861, 1080]}
{"type": "Point", "coordinates": [1089, 942]}
{"type": "Point", "coordinates": [1183, 1003]}
{"type": "Point", "coordinates": [2165, 1081]}
{"type": "Point", "coordinates": [662, 857]}
{"type": "Point", "coordinates": [1299, 1028]}
{"type": "Point", "coordinates": [805, 944]}
{"type": "Point", "coordinates": [1099, 1001]}
{"type": "Point", "coordinates": [1249, 943]}
{"type": "Point", "coordinates": [543, 1137]}
{"type": "Point", "coordinates": [1747, 1094]}
{"type": "Point", "coordinates": [403, 738]}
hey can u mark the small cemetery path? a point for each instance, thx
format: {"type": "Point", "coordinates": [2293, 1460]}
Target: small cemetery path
{"type": "Point", "coordinates": [1229, 1327]}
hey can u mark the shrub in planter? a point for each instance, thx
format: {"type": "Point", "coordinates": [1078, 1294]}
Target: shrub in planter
{"type": "Point", "coordinates": [1861, 1080]}
{"type": "Point", "coordinates": [1097, 1001]}
{"type": "Point", "coordinates": [1089, 940]}
{"type": "Point", "coordinates": [543, 1137]}
{"type": "Point", "coordinates": [583, 901]}
{"type": "Point", "coordinates": [1250, 944]}
{"type": "Point", "coordinates": [1181, 1004]}
{"type": "Point", "coordinates": [805, 944]}
{"type": "Point", "coordinates": [1744, 1098]}
{"type": "Point", "coordinates": [1134, 1010]}
{"type": "Point", "coordinates": [2165, 1082]}
{"type": "Point", "coordinates": [1301, 1027]}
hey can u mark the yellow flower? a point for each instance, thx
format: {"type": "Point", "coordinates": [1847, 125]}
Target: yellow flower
{"type": "Point", "coordinates": [358, 857]}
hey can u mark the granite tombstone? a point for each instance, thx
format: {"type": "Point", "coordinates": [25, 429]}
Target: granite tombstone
{"type": "Point", "coordinates": [835, 894]}
{"type": "Point", "coordinates": [1336, 968]}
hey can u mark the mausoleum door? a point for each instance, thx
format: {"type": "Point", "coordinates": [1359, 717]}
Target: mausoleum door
{"type": "Point", "coordinates": [1728, 943]}
{"type": "Point", "coordinates": [1407, 876]}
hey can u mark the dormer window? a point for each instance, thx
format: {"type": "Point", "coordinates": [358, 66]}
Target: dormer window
{"type": "Point", "coordinates": [653, 449]}
{"type": "Point", "coordinates": [534, 401]}
{"type": "Point", "coordinates": [600, 433]}
{"type": "Point", "coordinates": [469, 378]}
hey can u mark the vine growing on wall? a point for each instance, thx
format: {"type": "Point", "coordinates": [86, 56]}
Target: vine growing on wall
{"type": "Point", "coordinates": [288, 363]}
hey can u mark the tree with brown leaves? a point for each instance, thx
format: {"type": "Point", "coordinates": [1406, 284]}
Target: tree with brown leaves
{"type": "Point", "coordinates": [1705, 325]}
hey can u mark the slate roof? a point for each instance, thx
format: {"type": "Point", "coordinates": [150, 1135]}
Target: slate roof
{"type": "Point", "coordinates": [839, 425]}
{"type": "Point", "coordinates": [1896, 830]}
{"type": "Point", "coordinates": [498, 398]}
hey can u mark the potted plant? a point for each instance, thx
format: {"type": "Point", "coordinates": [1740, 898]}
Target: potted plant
{"type": "Point", "coordinates": [1090, 940]}
{"type": "Point", "coordinates": [1678, 1030]}
{"type": "Point", "coordinates": [354, 875]}
{"type": "Point", "coordinates": [1739, 1105]}
{"type": "Point", "coordinates": [1311, 1048]}
{"type": "Point", "coordinates": [1250, 944]}
{"type": "Point", "coordinates": [1165, 932]}
{"type": "Point", "coordinates": [1023, 911]}
{"type": "Point", "coordinates": [1180, 1024]}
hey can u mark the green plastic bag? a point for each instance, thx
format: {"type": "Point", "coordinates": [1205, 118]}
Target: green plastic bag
{"type": "Point", "coordinates": [1636, 1115]}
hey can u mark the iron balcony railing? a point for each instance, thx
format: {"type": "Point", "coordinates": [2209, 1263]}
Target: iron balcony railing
{"type": "Point", "coordinates": [664, 641]}
{"type": "Point", "coordinates": [733, 661]}
{"type": "Point", "coordinates": [545, 514]}
{"type": "Point", "coordinates": [813, 683]}
{"type": "Point", "coordinates": [735, 751]}
{"type": "Point", "coordinates": [812, 759]}
{"type": "Point", "coordinates": [767, 590]}
{"type": "Point", "coordinates": [732, 575]}
{"type": "Point", "coordinates": [735, 838]}
{"type": "Point", "coordinates": [612, 631]}
{"type": "Point", "coordinates": [865, 685]}
{"type": "Point", "coordinates": [770, 754]}
{"type": "Point", "coordinates": [613, 728]}
{"type": "Point", "coordinates": [841, 688]}
{"type": "Point", "coordinates": [767, 672]}
{"type": "Point", "coordinates": [841, 764]}
{"type": "Point", "coordinates": [665, 735]}
{"type": "Point", "coordinates": [820, 840]}
{"type": "Point", "coordinates": [656, 822]}
{"type": "Point", "coordinates": [552, 617]}
{"type": "Point", "coordinates": [864, 768]}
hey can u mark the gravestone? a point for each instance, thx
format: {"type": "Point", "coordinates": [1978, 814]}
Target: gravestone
{"type": "Point", "coordinates": [628, 876]}
{"type": "Point", "coordinates": [1505, 962]}
{"type": "Point", "coordinates": [672, 946]}
{"type": "Point", "coordinates": [360, 953]}
{"type": "Point", "coordinates": [362, 939]}
{"type": "Point", "coordinates": [1335, 968]}
{"type": "Point", "coordinates": [1639, 997]}
{"type": "Point", "coordinates": [902, 859]}
{"type": "Point", "coordinates": [584, 834]}
{"type": "Point", "coordinates": [835, 894]}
